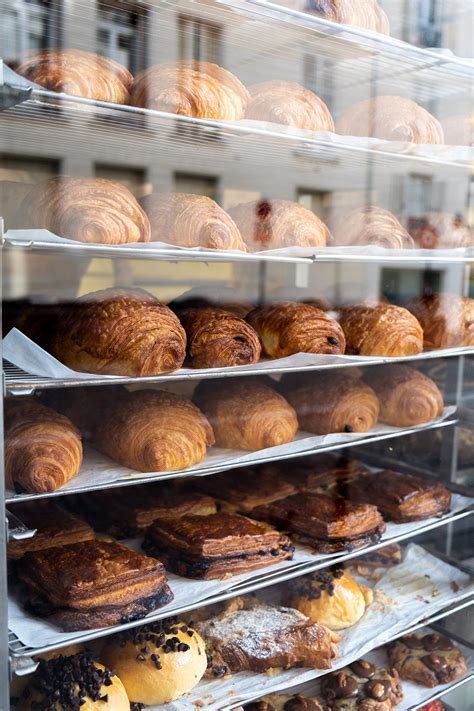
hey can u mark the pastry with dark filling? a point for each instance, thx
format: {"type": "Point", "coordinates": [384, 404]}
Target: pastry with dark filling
{"type": "Point", "coordinates": [286, 702]}
{"type": "Point", "coordinates": [386, 557]}
{"type": "Point", "coordinates": [428, 659]}
{"type": "Point", "coordinates": [363, 686]}
{"type": "Point", "coordinates": [325, 474]}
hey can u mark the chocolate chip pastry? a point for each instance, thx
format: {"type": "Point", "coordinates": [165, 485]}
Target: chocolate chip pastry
{"type": "Point", "coordinates": [429, 659]}
{"type": "Point", "coordinates": [362, 686]}
{"type": "Point", "coordinates": [285, 702]}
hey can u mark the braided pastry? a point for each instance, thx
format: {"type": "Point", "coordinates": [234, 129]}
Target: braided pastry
{"type": "Point", "coordinates": [78, 73]}
{"type": "Point", "coordinates": [290, 104]}
{"type": "Point", "coordinates": [392, 118]}
{"type": "Point", "coordinates": [366, 14]}
{"type": "Point", "coordinates": [371, 225]}
{"type": "Point", "coordinates": [191, 88]}
{"type": "Point", "coordinates": [459, 130]}
{"type": "Point", "coordinates": [292, 327]}
{"type": "Point", "coordinates": [440, 230]}
{"type": "Point", "coordinates": [380, 330]}
{"type": "Point", "coordinates": [447, 320]}
{"type": "Point", "coordinates": [274, 224]}
{"type": "Point", "coordinates": [191, 221]}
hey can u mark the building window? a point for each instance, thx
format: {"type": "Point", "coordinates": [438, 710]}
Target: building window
{"type": "Point", "coordinates": [318, 202]}
{"type": "Point", "coordinates": [423, 25]}
{"type": "Point", "coordinates": [195, 184]}
{"type": "Point", "coordinates": [27, 170]}
{"type": "Point", "coordinates": [25, 25]}
{"type": "Point", "coordinates": [133, 178]}
{"type": "Point", "coordinates": [121, 36]}
{"type": "Point", "coordinates": [318, 75]}
{"type": "Point", "coordinates": [199, 40]}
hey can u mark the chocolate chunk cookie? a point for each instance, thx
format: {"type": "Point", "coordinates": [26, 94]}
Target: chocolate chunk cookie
{"type": "Point", "coordinates": [429, 659]}
{"type": "Point", "coordinates": [362, 686]}
{"type": "Point", "coordinates": [283, 702]}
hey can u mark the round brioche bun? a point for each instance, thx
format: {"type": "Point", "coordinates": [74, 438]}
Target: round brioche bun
{"type": "Point", "coordinates": [19, 683]}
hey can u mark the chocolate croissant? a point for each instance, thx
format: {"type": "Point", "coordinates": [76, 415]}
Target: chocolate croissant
{"type": "Point", "coordinates": [78, 73]}
{"type": "Point", "coordinates": [459, 130]}
{"type": "Point", "coordinates": [43, 449]}
{"type": "Point", "coordinates": [407, 397]}
{"type": "Point", "coordinates": [274, 224]}
{"type": "Point", "coordinates": [289, 104]}
{"type": "Point", "coordinates": [119, 332]}
{"type": "Point", "coordinates": [366, 14]}
{"type": "Point", "coordinates": [447, 320]}
{"type": "Point", "coordinates": [92, 210]}
{"type": "Point", "coordinates": [380, 330]}
{"type": "Point", "coordinates": [371, 225]}
{"type": "Point", "coordinates": [440, 230]}
{"type": "Point", "coordinates": [246, 413]}
{"type": "Point", "coordinates": [291, 327]}
{"type": "Point", "coordinates": [191, 88]}
{"type": "Point", "coordinates": [392, 118]}
{"type": "Point", "coordinates": [217, 338]}
{"type": "Point", "coordinates": [191, 221]}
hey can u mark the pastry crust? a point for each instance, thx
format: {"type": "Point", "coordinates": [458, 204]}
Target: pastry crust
{"type": "Point", "coordinates": [429, 659]}
{"type": "Point", "coordinates": [381, 329]}
{"type": "Point", "coordinates": [440, 230]}
{"type": "Point", "coordinates": [366, 14]}
{"type": "Point", "coordinates": [362, 686]}
{"type": "Point", "coordinates": [447, 320]}
{"type": "Point", "coordinates": [371, 225]}
{"type": "Point", "coordinates": [290, 104]}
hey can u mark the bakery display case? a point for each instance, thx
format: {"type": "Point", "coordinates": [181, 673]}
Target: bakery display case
{"type": "Point", "coordinates": [238, 355]}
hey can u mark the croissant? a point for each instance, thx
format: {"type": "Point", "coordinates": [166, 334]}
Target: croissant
{"type": "Point", "coordinates": [380, 330]}
{"type": "Point", "coordinates": [440, 230]}
{"type": "Point", "coordinates": [78, 73]}
{"type": "Point", "coordinates": [119, 332]}
{"type": "Point", "coordinates": [191, 88]}
{"type": "Point", "coordinates": [273, 224]}
{"type": "Point", "coordinates": [447, 320]}
{"type": "Point", "coordinates": [246, 413]}
{"type": "Point", "coordinates": [291, 327]}
{"type": "Point", "coordinates": [459, 130]}
{"type": "Point", "coordinates": [392, 118]}
{"type": "Point", "coordinates": [371, 225]}
{"type": "Point", "coordinates": [191, 221]}
{"type": "Point", "coordinates": [360, 13]}
{"type": "Point", "coordinates": [407, 397]}
{"type": "Point", "coordinates": [290, 104]}
{"type": "Point", "coordinates": [43, 449]}
{"type": "Point", "coordinates": [217, 338]}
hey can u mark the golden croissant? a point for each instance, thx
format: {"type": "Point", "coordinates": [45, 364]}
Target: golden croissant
{"type": "Point", "coordinates": [191, 88]}
{"type": "Point", "coordinates": [291, 327]}
{"type": "Point", "coordinates": [440, 230]}
{"type": "Point", "coordinates": [246, 413]}
{"type": "Point", "coordinates": [92, 210]}
{"type": "Point", "coordinates": [78, 73]}
{"type": "Point", "coordinates": [366, 14]}
{"type": "Point", "coordinates": [447, 320]}
{"type": "Point", "coordinates": [289, 104]}
{"type": "Point", "coordinates": [153, 430]}
{"type": "Point", "coordinates": [392, 118]}
{"type": "Point", "coordinates": [371, 225]}
{"type": "Point", "coordinates": [43, 449]}
{"type": "Point", "coordinates": [191, 221]}
{"type": "Point", "coordinates": [381, 330]}
{"type": "Point", "coordinates": [407, 397]}
{"type": "Point", "coordinates": [217, 338]}
{"type": "Point", "coordinates": [119, 332]}
{"type": "Point", "coordinates": [274, 224]}
{"type": "Point", "coordinates": [459, 130]}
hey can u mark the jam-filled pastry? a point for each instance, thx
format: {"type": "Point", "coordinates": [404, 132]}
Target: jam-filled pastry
{"type": "Point", "coordinates": [440, 230]}
{"type": "Point", "coordinates": [371, 225]}
{"type": "Point", "coordinates": [447, 320]}
{"type": "Point", "coordinates": [287, 702]}
{"type": "Point", "coordinates": [361, 686]}
{"type": "Point", "coordinates": [290, 104]}
{"type": "Point", "coordinates": [380, 330]}
{"type": "Point", "coordinates": [427, 659]}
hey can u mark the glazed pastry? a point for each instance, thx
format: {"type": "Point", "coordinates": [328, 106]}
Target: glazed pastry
{"type": "Point", "coordinates": [216, 338]}
{"type": "Point", "coordinates": [447, 320]}
{"type": "Point", "coordinates": [90, 210]}
{"type": "Point", "coordinates": [440, 230]}
{"type": "Point", "coordinates": [119, 332]}
{"type": "Point", "coordinates": [392, 118]}
{"type": "Point", "coordinates": [191, 88]}
{"type": "Point", "coordinates": [92, 584]}
{"type": "Point", "coordinates": [216, 546]}
{"type": "Point", "coordinates": [290, 104]}
{"type": "Point", "coordinates": [291, 327]}
{"type": "Point", "coordinates": [427, 659]}
{"type": "Point", "coordinates": [380, 330]}
{"type": "Point", "coordinates": [362, 685]}
{"type": "Point", "coordinates": [366, 14]}
{"type": "Point", "coordinates": [331, 597]}
{"type": "Point", "coordinates": [275, 224]}
{"type": "Point", "coordinates": [190, 221]}
{"type": "Point", "coordinates": [407, 396]}
{"type": "Point", "coordinates": [459, 130]}
{"type": "Point", "coordinates": [371, 226]}
{"type": "Point", "coordinates": [43, 449]}
{"type": "Point", "coordinates": [286, 702]}
{"type": "Point", "coordinates": [246, 413]}
{"type": "Point", "coordinates": [72, 71]}
{"type": "Point", "coordinates": [157, 663]}
{"type": "Point", "coordinates": [332, 402]}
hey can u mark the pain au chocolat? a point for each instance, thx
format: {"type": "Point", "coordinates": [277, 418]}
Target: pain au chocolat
{"type": "Point", "coordinates": [380, 329]}
{"type": "Point", "coordinates": [215, 546]}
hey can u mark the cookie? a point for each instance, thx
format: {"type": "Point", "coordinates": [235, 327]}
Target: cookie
{"type": "Point", "coordinates": [428, 659]}
{"type": "Point", "coordinates": [362, 686]}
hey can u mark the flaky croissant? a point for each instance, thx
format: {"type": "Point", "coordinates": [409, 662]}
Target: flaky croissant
{"type": "Point", "coordinates": [380, 330]}
{"type": "Point", "coordinates": [291, 327]}
{"type": "Point", "coordinates": [366, 14]}
{"type": "Point", "coordinates": [459, 130]}
{"type": "Point", "coordinates": [217, 338]}
{"type": "Point", "coordinates": [119, 332]}
{"type": "Point", "coordinates": [371, 225]}
{"type": "Point", "coordinates": [273, 224]}
{"type": "Point", "coordinates": [43, 449]}
{"type": "Point", "coordinates": [289, 104]}
{"type": "Point", "coordinates": [407, 397]}
{"type": "Point", "coordinates": [392, 118]}
{"type": "Point", "coordinates": [78, 73]}
{"type": "Point", "coordinates": [440, 230]}
{"type": "Point", "coordinates": [92, 210]}
{"type": "Point", "coordinates": [191, 221]}
{"type": "Point", "coordinates": [246, 413]}
{"type": "Point", "coordinates": [191, 88]}
{"type": "Point", "coordinates": [447, 320]}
